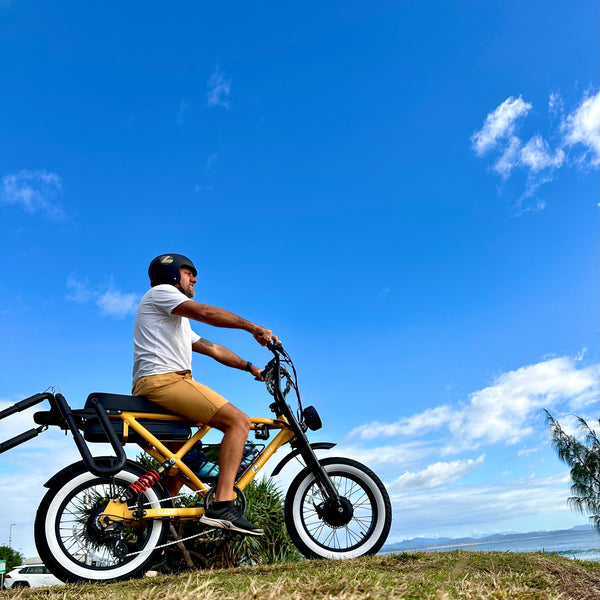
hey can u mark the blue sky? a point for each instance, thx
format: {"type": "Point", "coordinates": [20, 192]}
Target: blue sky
{"type": "Point", "coordinates": [405, 192]}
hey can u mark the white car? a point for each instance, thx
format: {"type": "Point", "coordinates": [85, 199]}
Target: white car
{"type": "Point", "coordinates": [30, 576]}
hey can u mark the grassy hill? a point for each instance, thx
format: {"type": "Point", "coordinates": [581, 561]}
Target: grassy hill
{"type": "Point", "coordinates": [437, 576]}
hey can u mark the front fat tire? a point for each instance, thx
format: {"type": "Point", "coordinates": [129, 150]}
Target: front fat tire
{"type": "Point", "coordinates": [62, 539]}
{"type": "Point", "coordinates": [371, 521]}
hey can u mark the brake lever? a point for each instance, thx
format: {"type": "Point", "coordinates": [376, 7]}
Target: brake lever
{"type": "Point", "coordinates": [278, 347]}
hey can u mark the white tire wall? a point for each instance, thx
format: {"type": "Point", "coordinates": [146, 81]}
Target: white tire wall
{"type": "Point", "coordinates": [302, 526]}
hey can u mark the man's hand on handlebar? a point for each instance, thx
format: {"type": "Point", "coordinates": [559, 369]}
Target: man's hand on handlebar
{"type": "Point", "coordinates": [256, 372]}
{"type": "Point", "coordinates": [263, 336]}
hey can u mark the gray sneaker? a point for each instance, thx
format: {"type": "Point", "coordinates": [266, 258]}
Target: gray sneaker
{"type": "Point", "coordinates": [230, 519]}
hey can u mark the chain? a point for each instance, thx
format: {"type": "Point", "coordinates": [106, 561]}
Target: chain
{"type": "Point", "coordinates": [151, 502]}
{"type": "Point", "coordinates": [191, 537]}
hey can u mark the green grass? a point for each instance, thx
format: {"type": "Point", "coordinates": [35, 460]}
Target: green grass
{"type": "Point", "coordinates": [437, 576]}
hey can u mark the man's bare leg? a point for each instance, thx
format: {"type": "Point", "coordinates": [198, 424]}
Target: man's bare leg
{"type": "Point", "coordinates": [223, 513]}
{"type": "Point", "coordinates": [235, 426]}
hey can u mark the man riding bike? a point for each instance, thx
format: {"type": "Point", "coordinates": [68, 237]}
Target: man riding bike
{"type": "Point", "coordinates": [163, 345]}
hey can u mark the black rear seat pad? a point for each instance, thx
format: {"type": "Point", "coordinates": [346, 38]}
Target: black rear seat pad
{"type": "Point", "coordinates": [127, 403]}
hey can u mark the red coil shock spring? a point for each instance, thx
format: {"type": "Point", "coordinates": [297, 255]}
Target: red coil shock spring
{"type": "Point", "coordinates": [146, 481]}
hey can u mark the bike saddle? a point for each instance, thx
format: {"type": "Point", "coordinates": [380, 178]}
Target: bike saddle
{"type": "Point", "coordinates": [163, 430]}
{"type": "Point", "coordinates": [123, 402]}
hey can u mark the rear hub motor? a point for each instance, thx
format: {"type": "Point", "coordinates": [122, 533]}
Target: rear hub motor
{"type": "Point", "coordinates": [95, 530]}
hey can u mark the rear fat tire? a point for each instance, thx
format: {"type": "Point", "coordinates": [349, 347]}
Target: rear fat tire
{"type": "Point", "coordinates": [371, 520]}
{"type": "Point", "coordinates": [63, 540]}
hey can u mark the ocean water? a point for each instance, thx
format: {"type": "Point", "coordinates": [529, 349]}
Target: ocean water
{"type": "Point", "coordinates": [575, 544]}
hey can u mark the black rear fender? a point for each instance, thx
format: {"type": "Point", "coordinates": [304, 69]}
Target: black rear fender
{"type": "Point", "coordinates": [80, 467]}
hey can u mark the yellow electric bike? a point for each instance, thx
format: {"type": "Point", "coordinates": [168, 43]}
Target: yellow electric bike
{"type": "Point", "coordinates": [107, 518]}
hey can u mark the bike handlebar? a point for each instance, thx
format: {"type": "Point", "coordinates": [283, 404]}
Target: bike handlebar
{"type": "Point", "coordinates": [62, 415]}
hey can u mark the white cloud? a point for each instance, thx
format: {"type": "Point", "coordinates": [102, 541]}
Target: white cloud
{"type": "Point", "coordinates": [386, 459]}
{"type": "Point", "coordinates": [437, 511]}
{"type": "Point", "coordinates": [499, 124]}
{"type": "Point", "coordinates": [34, 191]}
{"type": "Point", "coordinates": [556, 105]}
{"type": "Point", "coordinates": [499, 413]}
{"type": "Point", "coordinates": [78, 290]}
{"type": "Point", "coordinates": [536, 155]}
{"type": "Point", "coordinates": [118, 304]}
{"type": "Point", "coordinates": [429, 495]}
{"type": "Point", "coordinates": [527, 451]}
{"type": "Point", "coordinates": [219, 88]}
{"type": "Point", "coordinates": [509, 158]}
{"type": "Point", "coordinates": [582, 127]}
{"type": "Point", "coordinates": [435, 475]}
{"type": "Point", "coordinates": [111, 302]}
{"type": "Point", "coordinates": [536, 158]}
{"type": "Point", "coordinates": [417, 424]}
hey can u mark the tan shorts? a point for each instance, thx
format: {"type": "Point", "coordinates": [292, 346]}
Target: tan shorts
{"type": "Point", "coordinates": [179, 393]}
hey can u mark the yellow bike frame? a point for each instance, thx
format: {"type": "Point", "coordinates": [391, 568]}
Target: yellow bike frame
{"type": "Point", "coordinates": [117, 509]}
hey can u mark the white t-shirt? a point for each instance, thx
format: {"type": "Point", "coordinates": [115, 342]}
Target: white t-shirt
{"type": "Point", "coordinates": [162, 342]}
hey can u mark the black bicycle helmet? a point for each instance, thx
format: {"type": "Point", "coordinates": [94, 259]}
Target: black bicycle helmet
{"type": "Point", "coordinates": [165, 269]}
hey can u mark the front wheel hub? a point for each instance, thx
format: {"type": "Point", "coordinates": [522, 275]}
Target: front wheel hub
{"type": "Point", "coordinates": [337, 514]}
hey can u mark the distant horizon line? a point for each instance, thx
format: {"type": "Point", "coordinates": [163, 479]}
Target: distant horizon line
{"type": "Point", "coordinates": [475, 540]}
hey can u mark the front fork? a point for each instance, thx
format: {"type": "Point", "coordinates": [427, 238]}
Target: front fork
{"type": "Point", "coordinates": [329, 491]}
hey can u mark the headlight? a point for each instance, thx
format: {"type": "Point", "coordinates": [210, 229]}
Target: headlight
{"type": "Point", "coordinates": [311, 418]}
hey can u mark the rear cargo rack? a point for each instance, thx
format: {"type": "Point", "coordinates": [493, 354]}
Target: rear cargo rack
{"type": "Point", "coordinates": [62, 416]}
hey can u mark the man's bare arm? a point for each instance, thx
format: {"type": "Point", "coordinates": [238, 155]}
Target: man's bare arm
{"type": "Point", "coordinates": [224, 356]}
{"type": "Point", "coordinates": [219, 317]}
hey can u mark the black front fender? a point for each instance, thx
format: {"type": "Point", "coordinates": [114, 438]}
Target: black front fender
{"type": "Point", "coordinates": [284, 461]}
